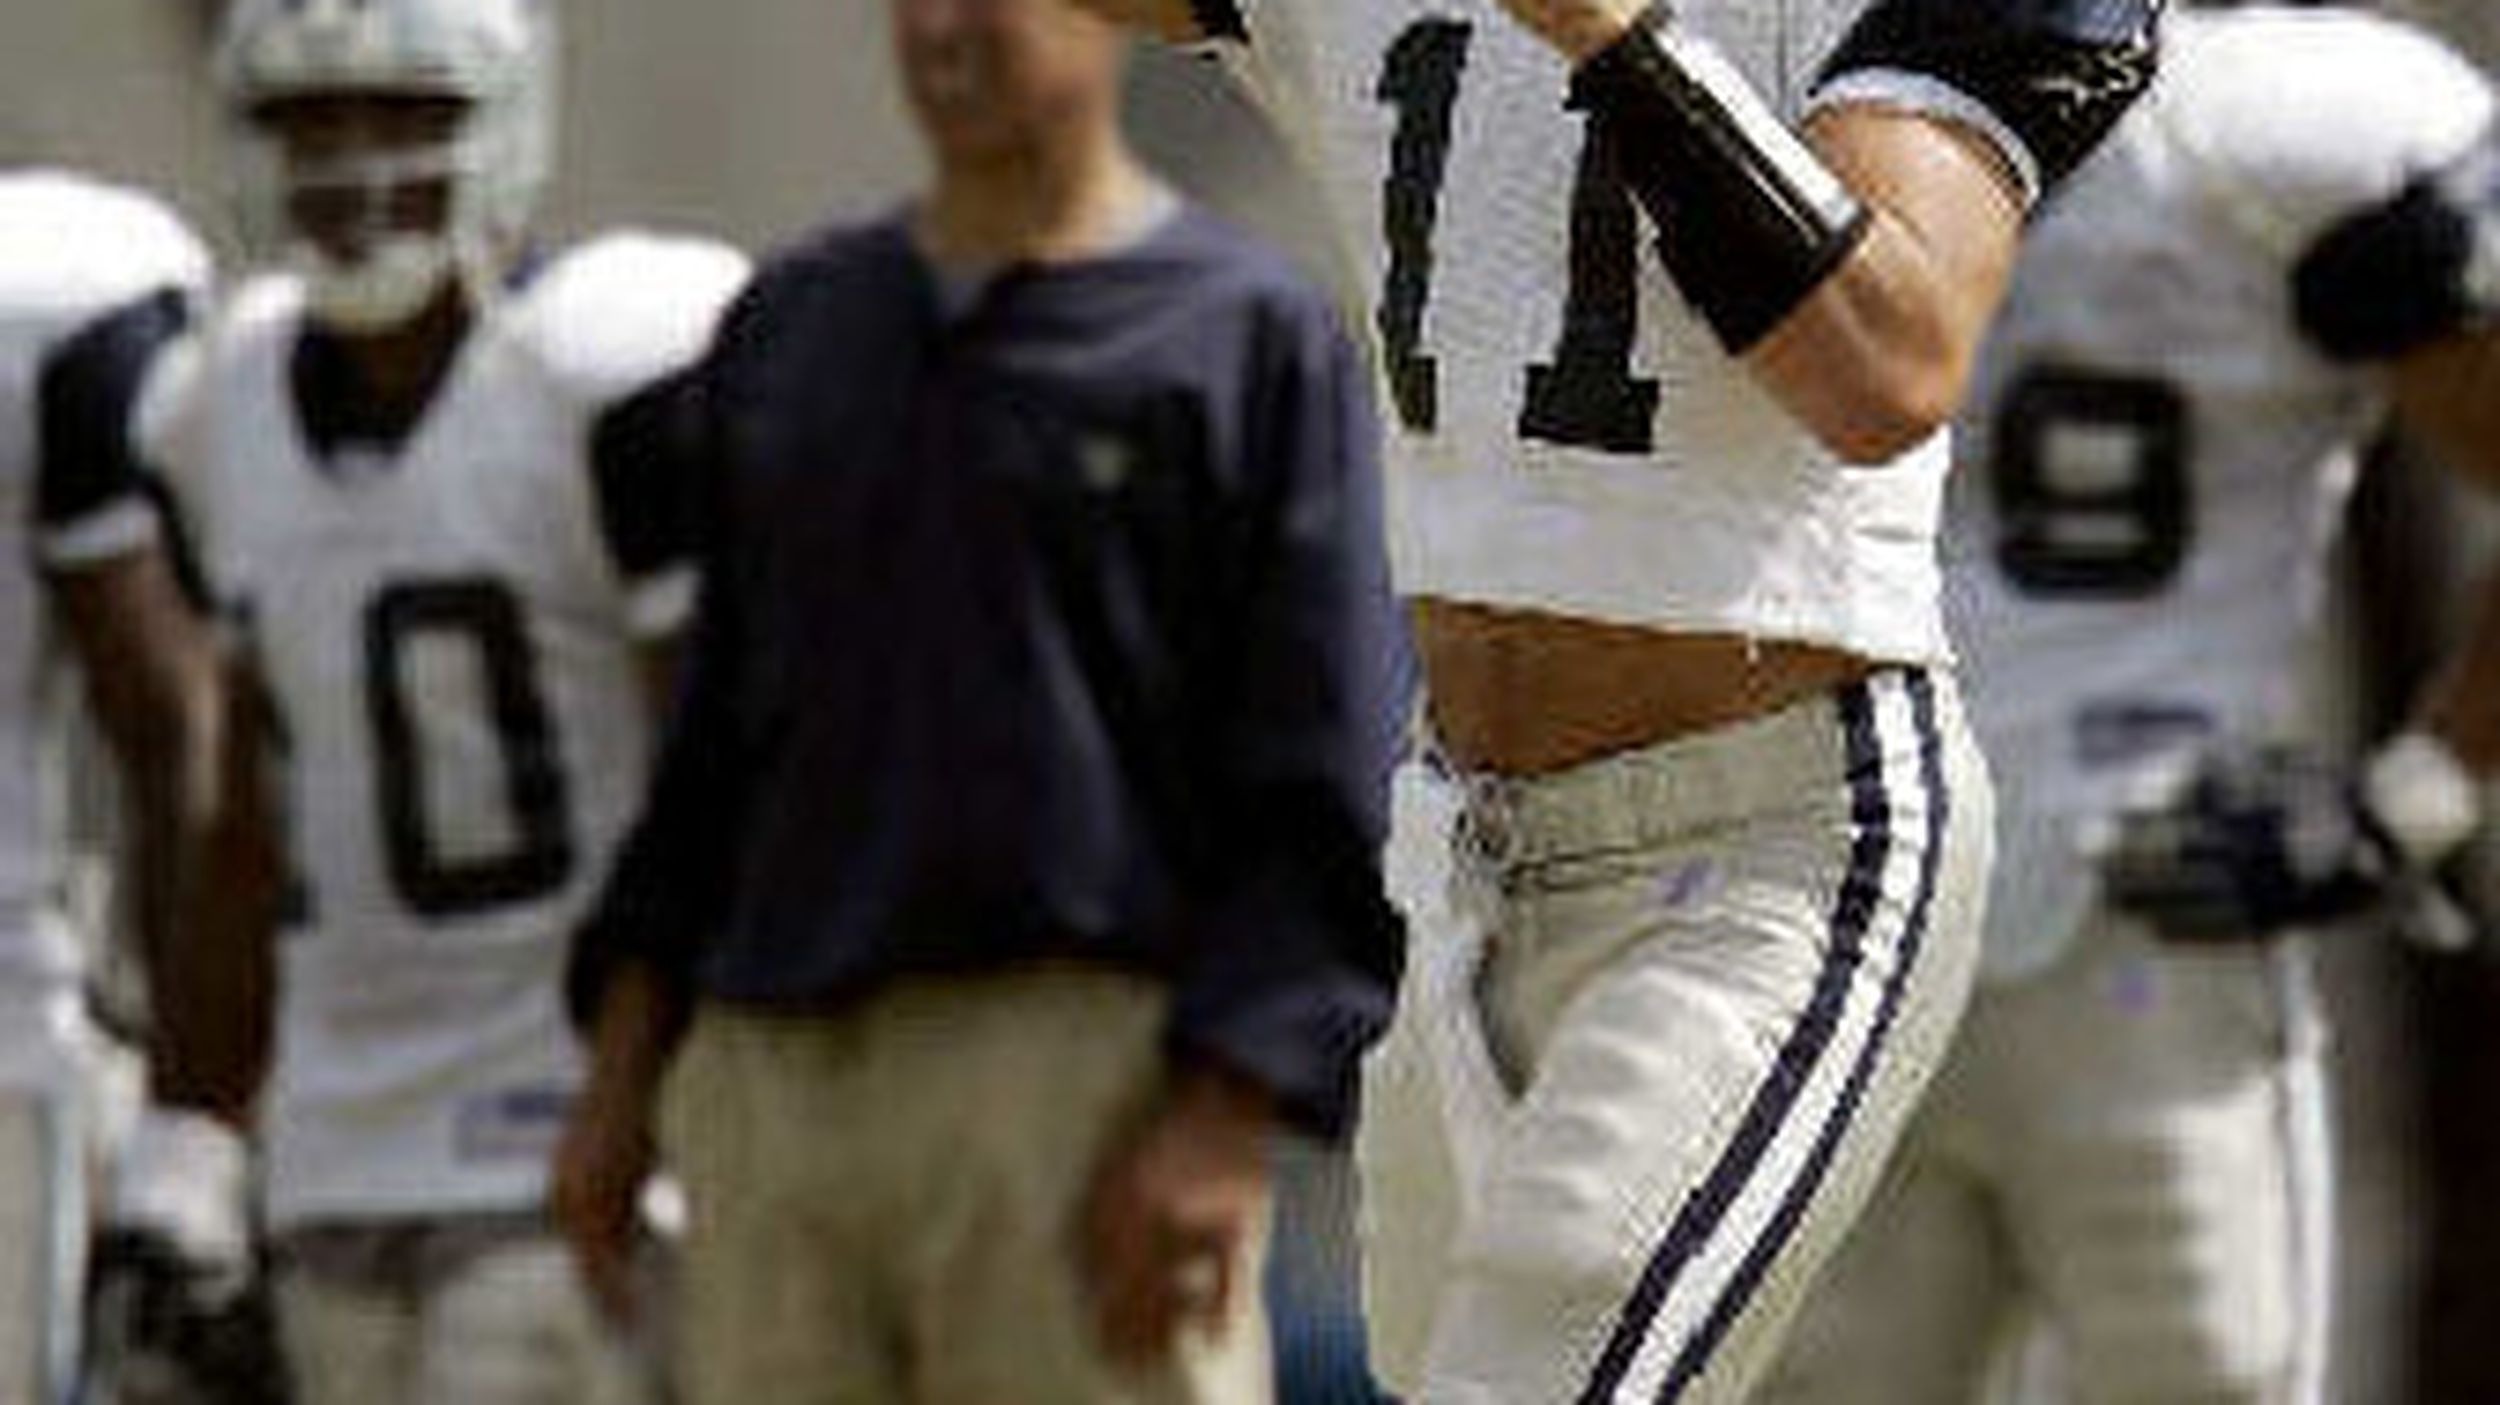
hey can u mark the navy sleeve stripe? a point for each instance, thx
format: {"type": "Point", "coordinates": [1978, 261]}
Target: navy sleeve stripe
{"type": "Point", "coordinates": [86, 397]}
{"type": "Point", "coordinates": [644, 466]}
{"type": "Point", "coordinates": [2403, 274]}
{"type": "Point", "coordinates": [2058, 74]}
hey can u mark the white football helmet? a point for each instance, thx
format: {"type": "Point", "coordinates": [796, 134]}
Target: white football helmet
{"type": "Point", "coordinates": [494, 57]}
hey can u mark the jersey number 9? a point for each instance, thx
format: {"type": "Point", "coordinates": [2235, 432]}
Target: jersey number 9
{"type": "Point", "coordinates": [2090, 475]}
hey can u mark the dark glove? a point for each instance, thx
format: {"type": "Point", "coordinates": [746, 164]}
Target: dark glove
{"type": "Point", "coordinates": [2258, 839]}
{"type": "Point", "coordinates": [2264, 838]}
{"type": "Point", "coordinates": [178, 1312]}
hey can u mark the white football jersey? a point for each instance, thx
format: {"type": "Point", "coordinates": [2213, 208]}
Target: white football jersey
{"type": "Point", "coordinates": [450, 638]}
{"type": "Point", "coordinates": [1569, 437]}
{"type": "Point", "coordinates": [73, 255]}
{"type": "Point", "coordinates": [2155, 458]}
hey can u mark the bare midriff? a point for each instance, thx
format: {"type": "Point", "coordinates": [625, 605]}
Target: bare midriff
{"type": "Point", "coordinates": [1520, 693]}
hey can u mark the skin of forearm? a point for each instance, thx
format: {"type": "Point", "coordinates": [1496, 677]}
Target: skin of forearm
{"type": "Point", "coordinates": [642, 1019]}
{"type": "Point", "coordinates": [218, 977]}
{"type": "Point", "coordinates": [153, 675]}
{"type": "Point", "coordinates": [2462, 705]}
{"type": "Point", "coordinates": [2446, 398]}
{"type": "Point", "coordinates": [1878, 357]}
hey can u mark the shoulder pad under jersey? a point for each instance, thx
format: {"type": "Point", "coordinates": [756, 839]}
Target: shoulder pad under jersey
{"type": "Point", "coordinates": [609, 317]}
{"type": "Point", "coordinates": [2311, 116]}
{"type": "Point", "coordinates": [71, 247]}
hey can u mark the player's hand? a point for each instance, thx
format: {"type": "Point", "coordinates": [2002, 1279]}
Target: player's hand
{"type": "Point", "coordinates": [2258, 840]}
{"type": "Point", "coordinates": [602, 1163]}
{"type": "Point", "coordinates": [1579, 28]}
{"type": "Point", "coordinates": [177, 1310]}
{"type": "Point", "coordinates": [1171, 1214]}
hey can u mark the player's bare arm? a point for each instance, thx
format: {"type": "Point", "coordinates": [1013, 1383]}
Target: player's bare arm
{"type": "Point", "coordinates": [216, 988]}
{"type": "Point", "coordinates": [2458, 706]}
{"type": "Point", "coordinates": [152, 678]}
{"type": "Point", "coordinates": [2407, 285]}
{"type": "Point", "coordinates": [1855, 272]}
{"type": "Point", "coordinates": [608, 1149]}
{"type": "Point", "coordinates": [1878, 358]}
{"type": "Point", "coordinates": [2447, 398]}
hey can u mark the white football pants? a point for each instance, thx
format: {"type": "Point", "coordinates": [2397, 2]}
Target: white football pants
{"type": "Point", "coordinates": [1664, 1018]}
{"type": "Point", "coordinates": [43, 1241]}
{"type": "Point", "coordinates": [51, 1090]}
{"type": "Point", "coordinates": [509, 1325]}
{"type": "Point", "coordinates": [2129, 1149]}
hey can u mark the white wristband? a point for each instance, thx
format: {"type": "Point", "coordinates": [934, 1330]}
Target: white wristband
{"type": "Point", "coordinates": [2422, 794]}
{"type": "Point", "coordinates": [186, 1176]}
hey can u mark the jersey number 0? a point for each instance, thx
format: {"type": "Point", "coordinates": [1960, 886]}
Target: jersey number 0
{"type": "Point", "coordinates": [484, 615]}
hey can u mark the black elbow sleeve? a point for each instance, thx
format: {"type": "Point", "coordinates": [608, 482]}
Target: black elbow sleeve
{"type": "Point", "coordinates": [1749, 221]}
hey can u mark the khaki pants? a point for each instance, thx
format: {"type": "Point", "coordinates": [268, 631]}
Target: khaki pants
{"type": "Point", "coordinates": [884, 1201]}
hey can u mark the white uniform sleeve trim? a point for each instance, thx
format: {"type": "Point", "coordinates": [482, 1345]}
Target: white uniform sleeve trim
{"type": "Point", "coordinates": [1905, 91]}
{"type": "Point", "coordinates": [118, 528]}
{"type": "Point", "coordinates": [661, 606]}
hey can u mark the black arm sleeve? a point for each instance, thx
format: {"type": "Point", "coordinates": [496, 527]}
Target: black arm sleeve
{"type": "Point", "coordinates": [1750, 222]}
{"type": "Point", "coordinates": [86, 396]}
{"type": "Point", "coordinates": [645, 456]}
{"type": "Point", "coordinates": [2408, 272]}
{"type": "Point", "coordinates": [671, 883]}
{"type": "Point", "coordinates": [2057, 74]}
{"type": "Point", "coordinates": [1293, 952]}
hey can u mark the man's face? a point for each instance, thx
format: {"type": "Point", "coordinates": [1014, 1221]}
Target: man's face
{"type": "Point", "coordinates": [985, 76]}
{"type": "Point", "coordinates": [362, 167]}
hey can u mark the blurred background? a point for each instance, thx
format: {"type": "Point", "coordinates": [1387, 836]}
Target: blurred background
{"type": "Point", "coordinates": [753, 119]}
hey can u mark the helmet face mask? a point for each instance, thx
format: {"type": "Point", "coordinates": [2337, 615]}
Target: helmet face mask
{"type": "Point", "coordinates": [367, 194]}
{"type": "Point", "coordinates": [388, 147]}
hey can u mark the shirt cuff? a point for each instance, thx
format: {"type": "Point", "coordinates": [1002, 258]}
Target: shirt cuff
{"type": "Point", "coordinates": [1901, 90]}
{"type": "Point", "coordinates": [115, 529]}
{"type": "Point", "coordinates": [660, 605]}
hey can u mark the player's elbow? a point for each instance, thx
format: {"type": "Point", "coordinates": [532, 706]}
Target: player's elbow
{"type": "Point", "coordinates": [1869, 383]}
{"type": "Point", "coordinates": [1881, 416]}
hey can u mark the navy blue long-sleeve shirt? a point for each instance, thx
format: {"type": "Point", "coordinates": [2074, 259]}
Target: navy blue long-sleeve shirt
{"type": "Point", "coordinates": [1055, 626]}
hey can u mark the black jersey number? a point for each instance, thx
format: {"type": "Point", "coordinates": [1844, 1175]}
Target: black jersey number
{"type": "Point", "coordinates": [481, 614]}
{"type": "Point", "coordinates": [2090, 471]}
{"type": "Point", "coordinates": [1586, 396]}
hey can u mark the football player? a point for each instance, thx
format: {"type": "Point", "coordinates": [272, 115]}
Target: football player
{"type": "Point", "coordinates": [1673, 300]}
{"type": "Point", "coordinates": [2298, 231]}
{"type": "Point", "coordinates": [95, 281]}
{"type": "Point", "coordinates": [413, 460]}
